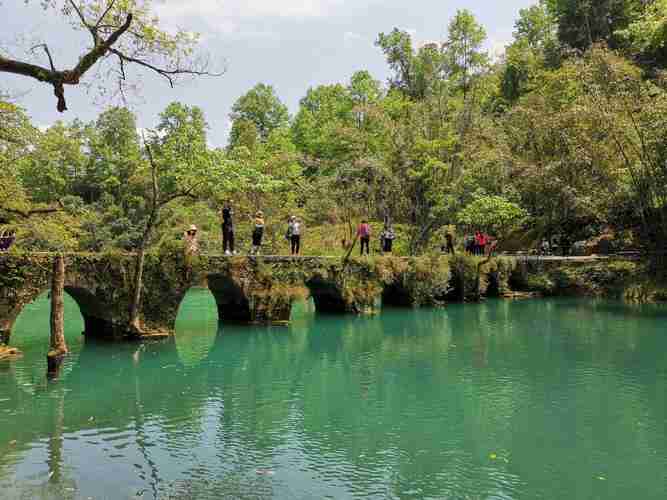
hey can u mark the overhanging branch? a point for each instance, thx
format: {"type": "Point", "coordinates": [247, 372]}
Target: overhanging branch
{"type": "Point", "coordinates": [166, 73]}
{"type": "Point", "coordinates": [67, 77]}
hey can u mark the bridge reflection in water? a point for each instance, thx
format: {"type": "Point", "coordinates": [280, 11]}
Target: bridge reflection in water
{"type": "Point", "coordinates": [413, 400]}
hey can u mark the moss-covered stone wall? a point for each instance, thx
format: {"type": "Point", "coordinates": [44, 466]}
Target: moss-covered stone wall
{"type": "Point", "coordinates": [611, 278]}
{"type": "Point", "coordinates": [262, 289]}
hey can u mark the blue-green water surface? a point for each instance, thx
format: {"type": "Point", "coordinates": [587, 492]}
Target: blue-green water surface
{"type": "Point", "coordinates": [546, 399]}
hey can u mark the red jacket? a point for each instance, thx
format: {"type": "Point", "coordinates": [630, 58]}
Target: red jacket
{"type": "Point", "coordinates": [480, 239]}
{"type": "Point", "coordinates": [364, 231]}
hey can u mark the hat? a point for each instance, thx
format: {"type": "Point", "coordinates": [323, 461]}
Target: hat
{"type": "Point", "coordinates": [259, 213]}
{"type": "Point", "coordinates": [192, 228]}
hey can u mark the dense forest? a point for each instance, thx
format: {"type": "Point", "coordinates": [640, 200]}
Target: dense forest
{"type": "Point", "coordinates": [563, 137]}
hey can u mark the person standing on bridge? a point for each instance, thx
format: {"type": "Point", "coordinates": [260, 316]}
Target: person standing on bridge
{"type": "Point", "coordinates": [191, 241]}
{"type": "Point", "coordinates": [191, 248]}
{"type": "Point", "coordinates": [227, 228]}
{"type": "Point", "coordinates": [480, 243]}
{"type": "Point", "coordinates": [364, 235]}
{"type": "Point", "coordinates": [294, 235]}
{"type": "Point", "coordinates": [387, 237]}
{"type": "Point", "coordinates": [449, 246]}
{"type": "Point", "coordinates": [257, 233]}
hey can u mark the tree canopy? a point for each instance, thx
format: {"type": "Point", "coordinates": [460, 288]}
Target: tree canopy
{"type": "Point", "coordinates": [564, 136]}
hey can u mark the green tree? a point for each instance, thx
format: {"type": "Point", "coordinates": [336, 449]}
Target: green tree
{"type": "Point", "coordinates": [179, 166]}
{"type": "Point", "coordinates": [535, 48]}
{"type": "Point", "coordinates": [323, 112]}
{"type": "Point", "coordinates": [536, 26]}
{"type": "Point", "coordinates": [261, 108]}
{"type": "Point", "coordinates": [16, 137]}
{"type": "Point", "coordinates": [398, 50]}
{"type": "Point", "coordinates": [492, 213]}
{"type": "Point", "coordinates": [417, 73]}
{"type": "Point", "coordinates": [422, 148]}
{"type": "Point", "coordinates": [49, 172]}
{"type": "Point", "coordinates": [114, 157]}
{"type": "Point", "coordinates": [464, 55]}
{"type": "Point", "coordinates": [581, 23]}
{"type": "Point", "coordinates": [646, 34]}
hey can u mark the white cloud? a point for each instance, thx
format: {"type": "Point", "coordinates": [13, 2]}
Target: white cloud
{"type": "Point", "coordinates": [216, 10]}
{"type": "Point", "coordinates": [350, 36]}
{"type": "Point", "coordinates": [240, 18]}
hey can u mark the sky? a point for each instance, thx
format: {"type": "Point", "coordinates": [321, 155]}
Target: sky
{"type": "Point", "coordinates": [290, 44]}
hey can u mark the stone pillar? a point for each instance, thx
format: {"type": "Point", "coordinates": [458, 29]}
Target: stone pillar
{"type": "Point", "coordinates": [58, 347]}
{"type": "Point", "coordinates": [268, 309]}
{"type": "Point", "coordinates": [348, 297]}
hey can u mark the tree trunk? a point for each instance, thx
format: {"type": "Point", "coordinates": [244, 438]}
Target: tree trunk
{"type": "Point", "coordinates": [135, 327]}
{"type": "Point", "coordinates": [58, 346]}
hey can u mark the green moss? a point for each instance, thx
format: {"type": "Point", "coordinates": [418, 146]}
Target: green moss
{"type": "Point", "coordinates": [465, 273]}
{"type": "Point", "coordinates": [540, 283]}
{"type": "Point", "coordinates": [416, 282]}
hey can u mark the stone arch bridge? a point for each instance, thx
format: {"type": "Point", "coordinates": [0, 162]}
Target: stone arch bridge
{"type": "Point", "coordinates": [257, 290]}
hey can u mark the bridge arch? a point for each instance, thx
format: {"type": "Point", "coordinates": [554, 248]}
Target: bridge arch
{"type": "Point", "coordinates": [231, 299]}
{"type": "Point", "coordinates": [89, 306]}
{"type": "Point", "coordinates": [332, 295]}
{"type": "Point", "coordinates": [94, 311]}
{"type": "Point", "coordinates": [327, 297]}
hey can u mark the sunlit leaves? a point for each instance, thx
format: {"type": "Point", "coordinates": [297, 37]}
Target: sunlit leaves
{"type": "Point", "coordinates": [492, 213]}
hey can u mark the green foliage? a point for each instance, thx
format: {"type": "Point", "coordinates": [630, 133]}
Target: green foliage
{"type": "Point", "coordinates": [492, 213]}
{"type": "Point", "coordinates": [583, 23]}
{"type": "Point", "coordinates": [614, 279]}
{"type": "Point", "coordinates": [466, 275]}
{"type": "Point", "coordinates": [548, 142]}
{"type": "Point", "coordinates": [646, 34]}
{"type": "Point", "coordinates": [259, 111]}
{"type": "Point", "coordinates": [464, 56]}
{"type": "Point", "coordinates": [536, 26]}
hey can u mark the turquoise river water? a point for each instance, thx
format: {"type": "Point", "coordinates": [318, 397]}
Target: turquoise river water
{"type": "Point", "coordinates": [552, 399]}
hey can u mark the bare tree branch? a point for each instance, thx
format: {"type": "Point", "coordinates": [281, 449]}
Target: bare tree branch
{"type": "Point", "coordinates": [108, 9]}
{"type": "Point", "coordinates": [163, 57]}
{"type": "Point", "coordinates": [48, 53]}
{"type": "Point", "coordinates": [67, 77]}
{"type": "Point", "coordinates": [83, 20]}
{"type": "Point", "coordinates": [167, 73]}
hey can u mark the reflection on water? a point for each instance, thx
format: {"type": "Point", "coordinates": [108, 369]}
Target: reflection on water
{"type": "Point", "coordinates": [539, 399]}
